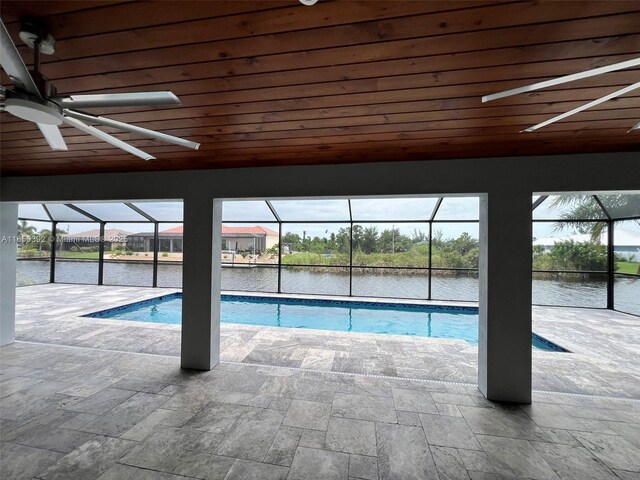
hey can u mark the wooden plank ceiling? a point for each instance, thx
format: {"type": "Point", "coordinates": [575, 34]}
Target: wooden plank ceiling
{"type": "Point", "coordinates": [275, 82]}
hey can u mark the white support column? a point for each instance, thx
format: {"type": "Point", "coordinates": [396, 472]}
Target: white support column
{"type": "Point", "coordinates": [504, 356]}
{"type": "Point", "coordinates": [201, 283]}
{"type": "Point", "coordinates": [8, 265]}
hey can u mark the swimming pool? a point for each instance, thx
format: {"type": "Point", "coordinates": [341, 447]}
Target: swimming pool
{"type": "Point", "coordinates": [346, 316]}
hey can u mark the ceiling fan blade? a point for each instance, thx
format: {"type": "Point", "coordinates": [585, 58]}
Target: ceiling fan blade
{"type": "Point", "coordinates": [107, 138]}
{"type": "Point", "coordinates": [107, 122]}
{"type": "Point", "coordinates": [635, 127]}
{"type": "Point", "coordinates": [53, 136]}
{"type": "Point", "coordinates": [13, 65]}
{"type": "Point", "coordinates": [567, 78]}
{"type": "Point", "coordinates": [117, 100]}
{"type": "Point", "coordinates": [600, 100]}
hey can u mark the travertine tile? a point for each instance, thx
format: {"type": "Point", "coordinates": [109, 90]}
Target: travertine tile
{"type": "Point", "coordinates": [613, 450]}
{"type": "Point", "coordinates": [351, 436]}
{"type": "Point", "coordinates": [317, 358]}
{"type": "Point", "coordinates": [551, 416]}
{"type": "Point", "coordinates": [125, 415]}
{"type": "Point", "coordinates": [363, 467]}
{"type": "Point", "coordinates": [449, 463]}
{"type": "Point", "coordinates": [89, 460]}
{"type": "Point", "coordinates": [312, 464]}
{"type": "Point", "coordinates": [251, 435]}
{"type": "Point", "coordinates": [491, 421]}
{"type": "Point", "coordinates": [361, 407]}
{"type": "Point", "coordinates": [413, 401]}
{"type": "Point", "coordinates": [312, 439]}
{"type": "Point", "coordinates": [403, 453]}
{"type": "Point", "coordinates": [284, 446]}
{"type": "Point", "coordinates": [121, 472]}
{"type": "Point", "coordinates": [516, 458]}
{"type": "Point", "coordinates": [447, 431]}
{"type": "Point", "coordinates": [171, 450]}
{"type": "Point", "coordinates": [575, 463]}
{"type": "Point", "coordinates": [452, 399]}
{"type": "Point", "coordinates": [247, 470]}
{"type": "Point", "coordinates": [169, 418]}
{"type": "Point", "coordinates": [448, 410]}
{"type": "Point", "coordinates": [216, 417]}
{"type": "Point", "coordinates": [102, 401]}
{"type": "Point", "coordinates": [408, 418]}
{"type": "Point", "coordinates": [309, 415]}
{"type": "Point", "coordinates": [20, 462]}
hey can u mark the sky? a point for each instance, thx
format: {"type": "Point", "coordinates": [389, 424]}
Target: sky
{"type": "Point", "coordinates": [363, 210]}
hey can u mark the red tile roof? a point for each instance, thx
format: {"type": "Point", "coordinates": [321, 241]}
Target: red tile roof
{"type": "Point", "coordinates": [255, 230]}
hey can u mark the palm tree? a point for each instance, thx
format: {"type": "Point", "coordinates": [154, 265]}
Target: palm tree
{"type": "Point", "coordinates": [25, 230]}
{"type": "Point", "coordinates": [579, 208]}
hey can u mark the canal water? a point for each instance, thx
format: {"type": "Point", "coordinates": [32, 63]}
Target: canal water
{"type": "Point", "coordinates": [546, 291]}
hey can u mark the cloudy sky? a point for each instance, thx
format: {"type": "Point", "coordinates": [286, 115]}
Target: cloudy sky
{"type": "Point", "coordinates": [365, 211]}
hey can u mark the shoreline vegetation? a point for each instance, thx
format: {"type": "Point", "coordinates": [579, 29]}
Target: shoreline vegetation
{"type": "Point", "coordinates": [373, 253]}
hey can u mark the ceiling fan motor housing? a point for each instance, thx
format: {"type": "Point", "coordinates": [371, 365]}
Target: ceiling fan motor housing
{"type": "Point", "coordinates": [33, 109]}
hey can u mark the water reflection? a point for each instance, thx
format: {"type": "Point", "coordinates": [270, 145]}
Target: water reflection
{"type": "Point", "coordinates": [550, 291]}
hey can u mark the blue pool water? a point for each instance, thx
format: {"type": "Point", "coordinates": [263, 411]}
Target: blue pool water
{"type": "Point", "coordinates": [364, 317]}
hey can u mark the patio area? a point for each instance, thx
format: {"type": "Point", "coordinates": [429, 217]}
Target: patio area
{"type": "Point", "coordinates": [81, 413]}
{"type": "Point", "coordinates": [604, 345]}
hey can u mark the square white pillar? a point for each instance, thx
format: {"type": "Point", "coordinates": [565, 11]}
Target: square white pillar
{"type": "Point", "coordinates": [8, 266]}
{"type": "Point", "coordinates": [504, 337]}
{"type": "Point", "coordinates": [201, 283]}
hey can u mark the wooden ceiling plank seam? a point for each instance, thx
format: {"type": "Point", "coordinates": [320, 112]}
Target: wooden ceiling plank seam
{"type": "Point", "coordinates": [623, 104]}
{"type": "Point", "coordinates": [66, 8]}
{"type": "Point", "coordinates": [477, 137]}
{"type": "Point", "coordinates": [217, 83]}
{"type": "Point", "coordinates": [241, 25]}
{"type": "Point", "coordinates": [577, 126]}
{"type": "Point", "coordinates": [70, 134]}
{"type": "Point", "coordinates": [60, 22]}
{"type": "Point", "coordinates": [363, 99]}
{"type": "Point", "coordinates": [403, 47]}
{"type": "Point", "coordinates": [324, 155]}
{"type": "Point", "coordinates": [355, 71]}
{"type": "Point", "coordinates": [19, 125]}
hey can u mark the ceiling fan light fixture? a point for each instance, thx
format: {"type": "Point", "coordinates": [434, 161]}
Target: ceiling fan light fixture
{"type": "Point", "coordinates": [308, 3]}
{"type": "Point", "coordinates": [45, 113]}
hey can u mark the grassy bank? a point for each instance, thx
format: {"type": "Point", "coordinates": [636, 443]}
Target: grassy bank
{"type": "Point", "coordinates": [632, 268]}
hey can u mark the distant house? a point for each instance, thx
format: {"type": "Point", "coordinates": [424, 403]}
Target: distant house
{"type": "Point", "coordinates": [239, 239]}
{"type": "Point", "coordinates": [170, 241]}
{"type": "Point", "coordinates": [113, 238]}
{"type": "Point", "coordinates": [627, 244]}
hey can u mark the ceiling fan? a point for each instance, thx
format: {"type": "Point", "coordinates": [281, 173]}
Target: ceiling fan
{"type": "Point", "coordinates": [571, 78]}
{"type": "Point", "coordinates": [35, 99]}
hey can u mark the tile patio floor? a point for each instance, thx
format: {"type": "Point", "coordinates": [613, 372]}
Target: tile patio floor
{"type": "Point", "coordinates": [605, 345]}
{"type": "Point", "coordinates": [78, 413]}
{"type": "Point", "coordinates": [87, 412]}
